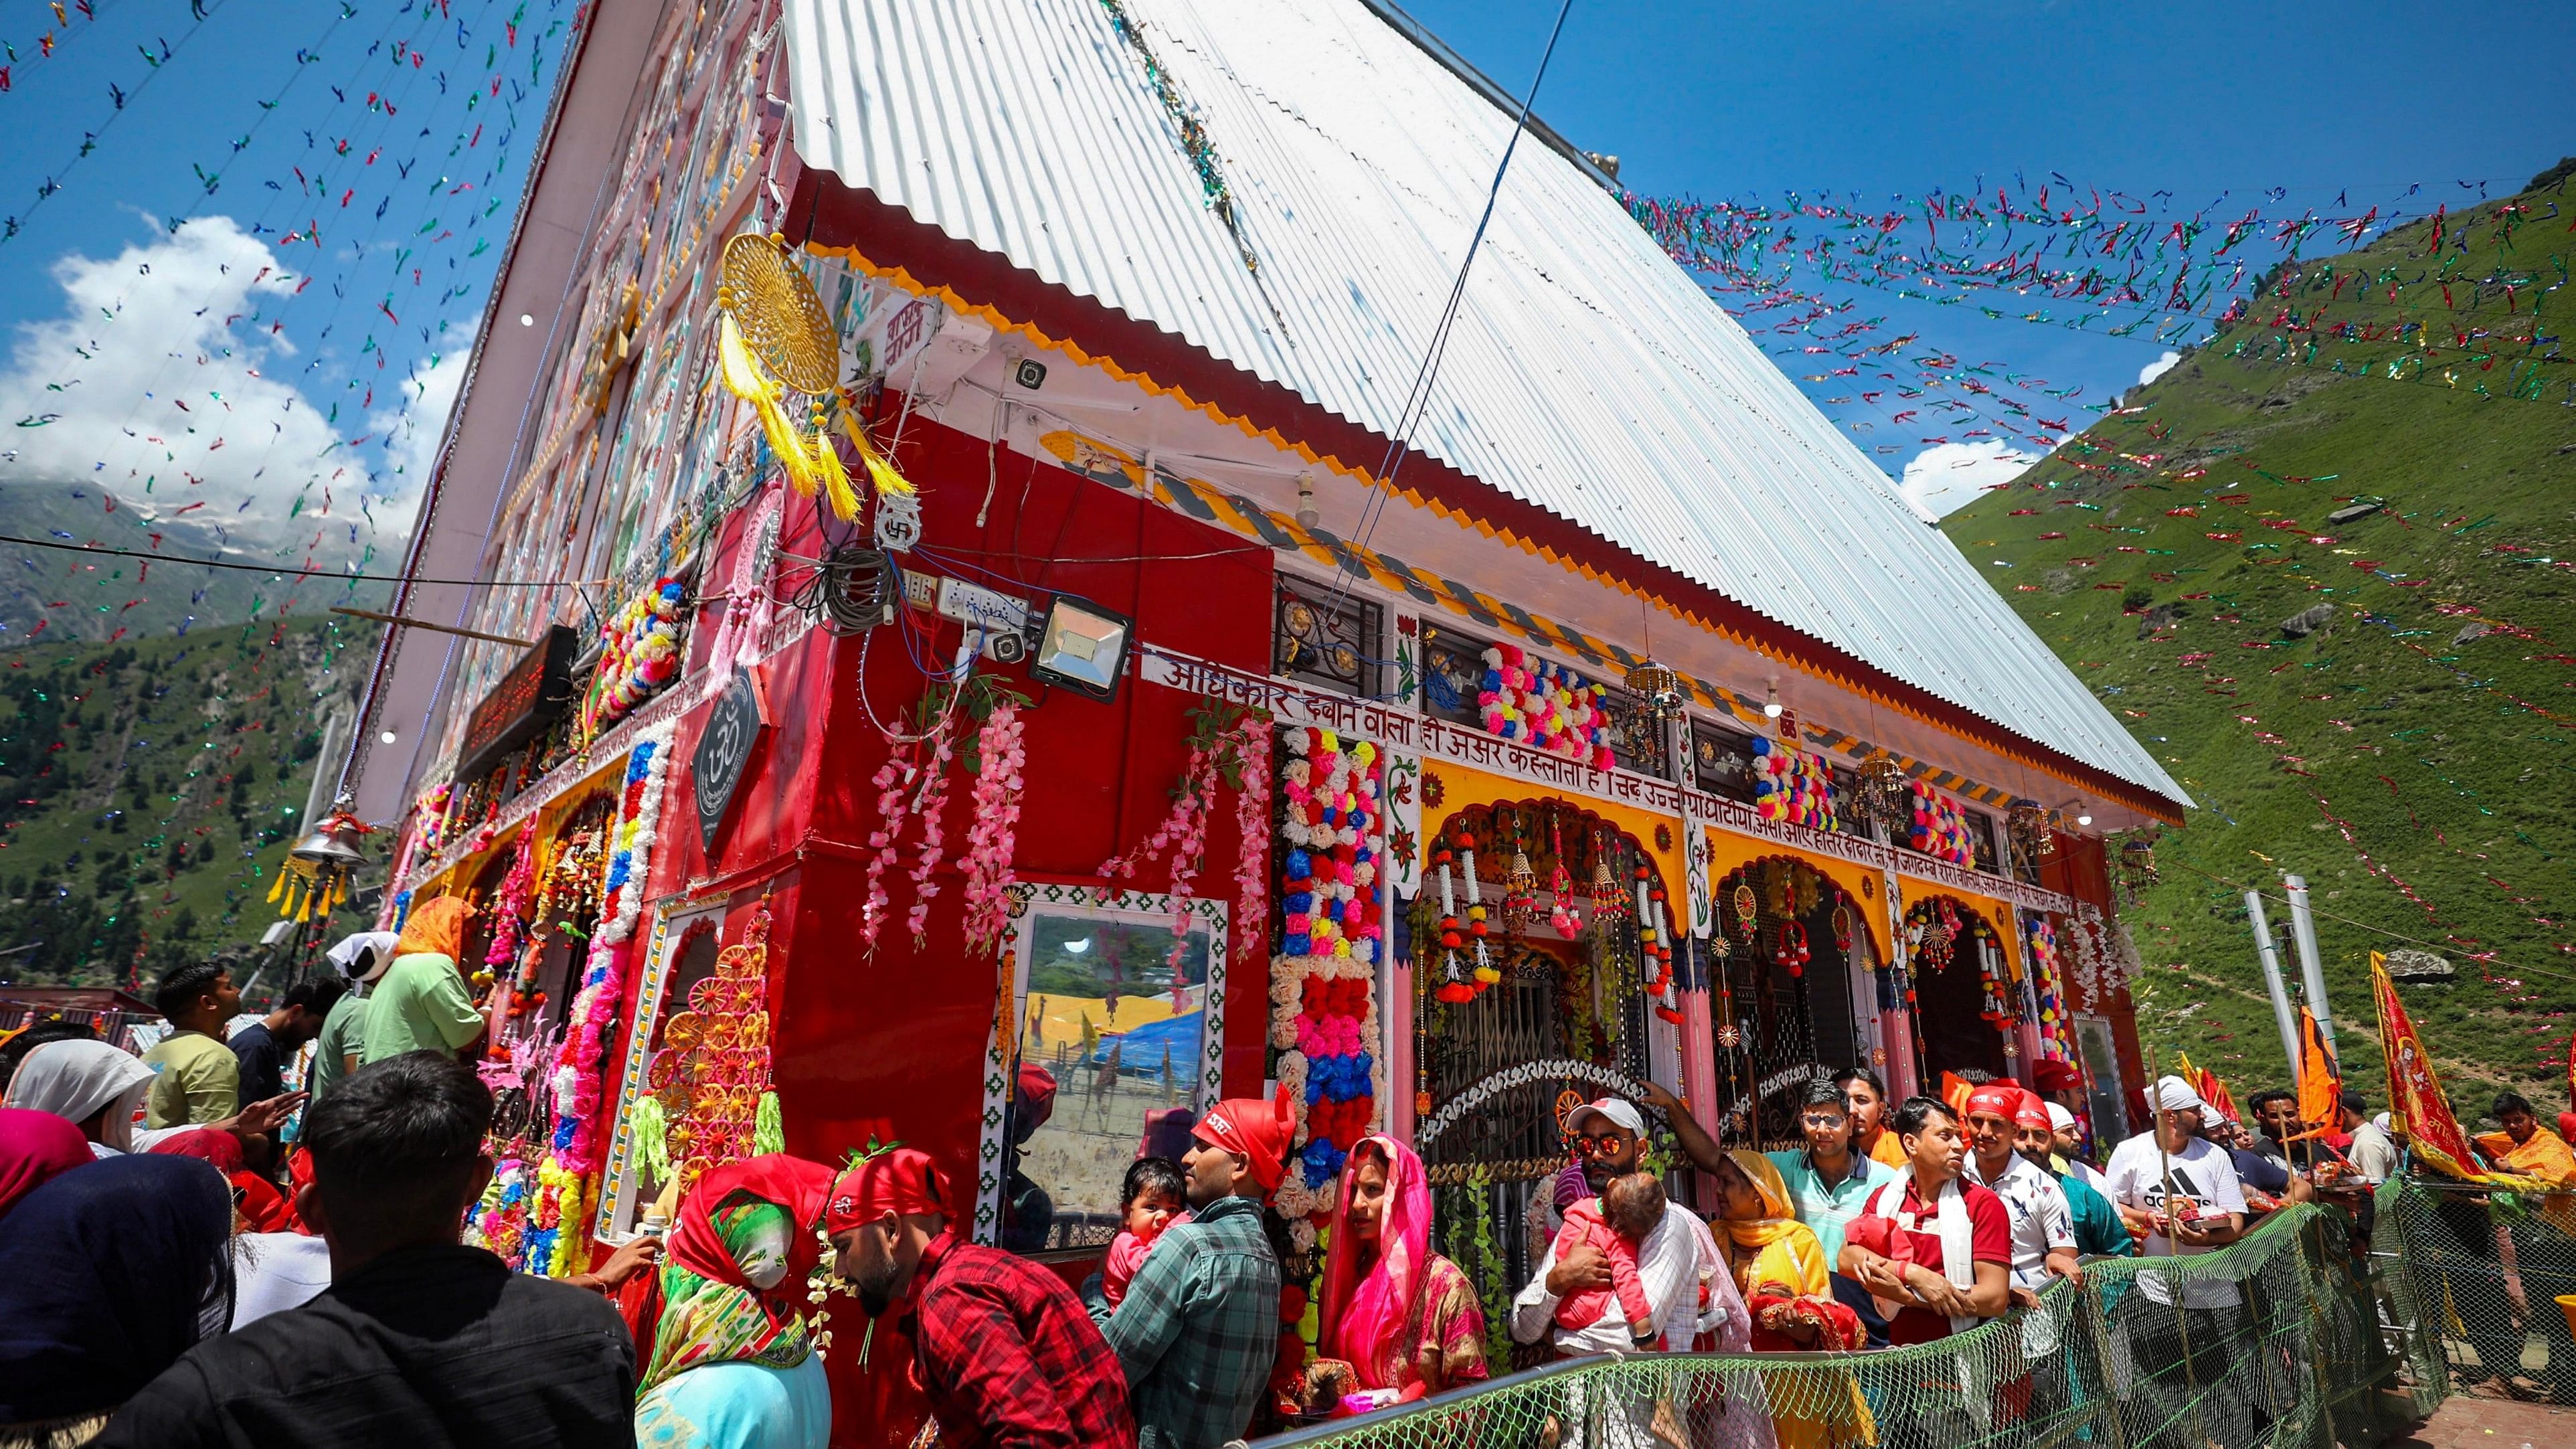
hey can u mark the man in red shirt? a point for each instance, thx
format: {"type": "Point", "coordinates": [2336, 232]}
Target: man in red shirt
{"type": "Point", "coordinates": [1932, 1242]}
{"type": "Point", "coordinates": [1002, 1348]}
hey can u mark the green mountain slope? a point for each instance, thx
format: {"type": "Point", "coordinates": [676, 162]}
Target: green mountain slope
{"type": "Point", "coordinates": [2408, 742]}
{"type": "Point", "coordinates": [149, 790]}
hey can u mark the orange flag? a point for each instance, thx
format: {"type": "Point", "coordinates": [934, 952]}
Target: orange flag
{"type": "Point", "coordinates": [2417, 1110]}
{"type": "Point", "coordinates": [1956, 1090]}
{"type": "Point", "coordinates": [2320, 1081]}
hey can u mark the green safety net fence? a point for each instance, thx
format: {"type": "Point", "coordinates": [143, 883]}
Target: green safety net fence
{"type": "Point", "coordinates": [2478, 1275]}
{"type": "Point", "coordinates": [2304, 1333]}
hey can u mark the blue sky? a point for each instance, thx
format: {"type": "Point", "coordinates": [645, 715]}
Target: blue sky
{"type": "Point", "coordinates": [343, 174]}
{"type": "Point", "coordinates": [1731, 100]}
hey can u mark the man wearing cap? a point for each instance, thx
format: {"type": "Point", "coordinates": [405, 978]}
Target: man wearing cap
{"type": "Point", "coordinates": [2043, 1226]}
{"type": "Point", "coordinates": [1000, 1346]}
{"type": "Point", "coordinates": [360, 959]}
{"type": "Point", "coordinates": [2066, 1141]}
{"type": "Point", "coordinates": [1608, 1137]}
{"type": "Point", "coordinates": [1198, 1331]}
{"type": "Point", "coordinates": [2179, 1193]}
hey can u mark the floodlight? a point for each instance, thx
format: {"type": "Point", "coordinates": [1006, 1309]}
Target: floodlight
{"type": "Point", "coordinates": [1082, 647]}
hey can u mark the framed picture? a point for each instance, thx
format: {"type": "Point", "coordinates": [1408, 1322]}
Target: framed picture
{"type": "Point", "coordinates": [2103, 1091]}
{"type": "Point", "coordinates": [1108, 1043]}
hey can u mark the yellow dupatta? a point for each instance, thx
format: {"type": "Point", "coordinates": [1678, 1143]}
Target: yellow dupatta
{"type": "Point", "coordinates": [1776, 1247]}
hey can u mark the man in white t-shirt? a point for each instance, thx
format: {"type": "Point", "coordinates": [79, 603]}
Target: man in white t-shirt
{"type": "Point", "coordinates": [2182, 1192]}
{"type": "Point", "coordinates": [2043, 1226]}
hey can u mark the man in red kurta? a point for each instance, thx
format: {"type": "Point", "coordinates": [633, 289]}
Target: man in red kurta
{"type": "Point", "coordinates": [1002, 1348]}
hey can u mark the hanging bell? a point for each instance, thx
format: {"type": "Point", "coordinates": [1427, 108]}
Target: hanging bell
{"type": "Point", "coordinates": [1658, 687]}
{"type": "Point", "coordinates": [1609, 898]}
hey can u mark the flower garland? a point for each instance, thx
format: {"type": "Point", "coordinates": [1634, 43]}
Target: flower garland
{"type": "Point", "coordinates": [1229, 743]}
{"type": "Point", "coordinates": [511, 907]}
{"type": "Point", "coordinates": [499, 1220]}
{"type": "Point", "coordinates": [989, 840]}
{"type": "Point", "coordinates": [577, 1066]}
{"type": "Point", "coordinates": [564, 1196]}
{"type": "Point", "coordinates": [1547, 707]}
{"type": "Point", "coordinates": [2047, 971]}
{"type": "Point", "coordinates": [934, 800]}
{"type": "Point", "coordinates": [1323, 1014]}
{"type": "Point", "coordinates": [431, 811]}
{"type": "Point", "coordinates": [892, 780]}
{"type": "Point", "coordinates": [1792, 785]}
{"type": "Point", "coordinates": [642, 652]}
{"type": "Point", "coordinates": [1939, 830]}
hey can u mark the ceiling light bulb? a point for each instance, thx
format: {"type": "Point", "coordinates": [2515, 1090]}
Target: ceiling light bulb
{"type": "Point", "coordinates": [527, 320]}
{"type": "Point", "coordinates": [2084, 817]}
{"type": "Point", "coordinates": [1307, 516]}
{"type": "Point", "coordinates": [387, 737]}
{"type": "Point", "coordinates": [1771, 704]}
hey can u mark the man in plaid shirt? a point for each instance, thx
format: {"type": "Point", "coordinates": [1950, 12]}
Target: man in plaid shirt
{"type": "Point", "coordinates": [1000, 1346]}
{"type": "Point", "coordinates": [1198, 1330]}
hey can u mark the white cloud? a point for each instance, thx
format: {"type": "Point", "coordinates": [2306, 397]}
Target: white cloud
{"type": "Point", "coordinates": [2158, 368]}
{"type": "Point", "coordinates": [165, 382]}
{"type": "Point", "coordinates": [1951, 475]}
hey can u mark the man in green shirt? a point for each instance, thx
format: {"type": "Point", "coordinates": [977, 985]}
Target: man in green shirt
{"type": "Point", "coordinates": [420, 1003]}
{"type": "Point", "coordinates": [195, 1077]}
{"type": "Point", "coordinates": [361, 959]}
{"type": "Point", "coordinates": [1829, 1182]}
{"type": "Point", "coordinates": [1198, 1330]}
{"type": "Point", "coordinates": [2099, 1233]}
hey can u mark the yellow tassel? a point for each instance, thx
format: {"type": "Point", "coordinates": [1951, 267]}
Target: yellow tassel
{"type": "Point", "coordinates": [277, 887]}
{"type": "Point", "coordinates": [744, 378]}
{"type": "Point", "coordinates": [880, 469]}
{"type": "Point", "coordinates": [834, 478]}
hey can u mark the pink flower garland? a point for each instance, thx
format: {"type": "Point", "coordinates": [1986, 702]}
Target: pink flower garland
{"type": "Point", "coordinates": [934, 799]}
{"type": "Point", "coordinates": [989, 840]}
{"type": "Point", "coordinates": [514, 903]}
{"type": "Point", "coordinates": [1252, 852]}
{"type": "Point", "coordinates": [891, 780]}
{"type": "Point", "coordinates": [1183, 834]}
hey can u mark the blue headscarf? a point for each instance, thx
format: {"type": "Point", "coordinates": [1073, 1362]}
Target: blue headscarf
{"type": "Point", "coordinates": [107, 1275]}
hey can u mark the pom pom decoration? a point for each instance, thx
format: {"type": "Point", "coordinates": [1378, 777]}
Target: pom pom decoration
{"type": "Point", "coordinates": [1939, 828]}
{"type": "Point", "coordinates": [1543, 705]}
{"type": "Point", "coordinates": [2047, 977]}
{"type": "Point", "coordinates": [1792, 951]}
{"type": "Point", "coordinates": [1323, 1012]}
{"type": "Point", "coordinates": [1792, 786]}
{"type": "Point", "coordinates": [642, 651]}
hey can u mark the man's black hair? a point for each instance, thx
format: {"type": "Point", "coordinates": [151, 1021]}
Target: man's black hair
{"type": "Point", "coordinates": [2512, 1102]}
{"type": "Point", "coordinates": [1914, 1112]}
{"type": "Point", "coordinates": [1158, 1175]}
{"type": "Point", "coordinates": [1849, 1075]}
{"type": "Point", "coordinates": [180, 989]}
{"type": "Point", "coordinates": [1822, 1093]}
{"type": "Point", "coordinates": [2355, 1102]}
{"type": "Point", "coordinates": [317, 996]}
{"type": "Point", "coordinates": [2256, 1103]}
{"type": "Point", "coordinates": [395, 1145]}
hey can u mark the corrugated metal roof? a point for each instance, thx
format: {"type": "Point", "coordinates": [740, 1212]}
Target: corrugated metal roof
{"type": "Point", "coordinates": [1586, 372]}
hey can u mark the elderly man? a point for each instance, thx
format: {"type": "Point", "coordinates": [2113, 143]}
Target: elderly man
{"type": "Point", "coordinates": [1609, 1138]}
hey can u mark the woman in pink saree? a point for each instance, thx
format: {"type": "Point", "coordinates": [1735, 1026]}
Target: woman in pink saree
{"type": "Point", "coordinates": [1396, 1317]}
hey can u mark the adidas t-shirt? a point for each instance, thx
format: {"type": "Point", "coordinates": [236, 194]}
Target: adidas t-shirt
{"type": "Point", "coordinates": [2203, 1175]}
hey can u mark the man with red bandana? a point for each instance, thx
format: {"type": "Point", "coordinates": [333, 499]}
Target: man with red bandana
{"type": "Point", "coordinates": [1198, 1330]}
{"type": "Point", "coordinates": [1000, 1346]}
{"type": "Point", "coordinates": [2043, 1225]}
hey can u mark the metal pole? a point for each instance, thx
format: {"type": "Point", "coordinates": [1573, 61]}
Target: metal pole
{"type": "Point", "coordinates": [2303, 931]}
{"type": "Point", "coordinates": [2281, 1013]}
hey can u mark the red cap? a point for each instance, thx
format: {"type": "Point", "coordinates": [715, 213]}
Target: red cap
{"type": "Point", "coordinates": [904, 1181]}
{"type": "Point", "coordinates": [2032, 1112]}
{"type": "Point", "coordinates": [1254, 1130]}
{"type": "Point", "coordinates": [2002, 1099]}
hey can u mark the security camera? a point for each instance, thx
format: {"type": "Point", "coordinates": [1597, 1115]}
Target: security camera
{"type": "Point", "coordinates": [1006, 648]}
{"type": "Point", "coordinates": [1029, 373]}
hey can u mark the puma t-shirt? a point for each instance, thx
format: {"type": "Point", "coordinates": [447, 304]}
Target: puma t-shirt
{"type": "Point", "coordinates": [2202, 1175]}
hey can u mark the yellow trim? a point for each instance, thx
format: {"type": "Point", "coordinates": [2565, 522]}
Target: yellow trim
{"type": "Point", "coordinates": [904, 279]}
{"type": "Point", "coordinates": [1730, 852]}
{"type": "Point", "coordinates": [1464, 789]}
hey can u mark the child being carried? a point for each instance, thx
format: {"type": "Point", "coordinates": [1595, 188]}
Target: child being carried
{"type": "Point", "coordinates": [1613, 1224]}
{"type": "Point", "coordinates": [1151, 1200]}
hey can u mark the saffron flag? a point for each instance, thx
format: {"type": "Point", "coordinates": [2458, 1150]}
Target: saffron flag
{"type": "Point", "coordinates": [2417, 1110]}
{"type": "Point", "coordinates": [2211, 1089]}
{"type": "Point", "coordinates": [2320, 1080]}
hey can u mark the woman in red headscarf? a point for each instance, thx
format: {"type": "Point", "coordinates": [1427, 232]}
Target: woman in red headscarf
{"type": "Point", "coordinates": [729, 1359]}
{"type": "Point", "coordinates": [1396, 1317]}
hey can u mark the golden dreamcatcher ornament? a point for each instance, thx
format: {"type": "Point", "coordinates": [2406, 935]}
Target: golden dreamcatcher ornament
{"type": "Point", "coordinates": [775, 336]}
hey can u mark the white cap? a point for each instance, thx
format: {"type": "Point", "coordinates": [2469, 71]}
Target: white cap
{"type": "Point", "coordinates": [2059, 1119]}
{"type": "Point", "coordinates": [2380, 1122]}
{"type": "Point", "coordinates": [1617, 1111]}
{"type": "Point", "coordinates": [2173, 1094]}
{"type": "Point", "coordinates": [346, 955]}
